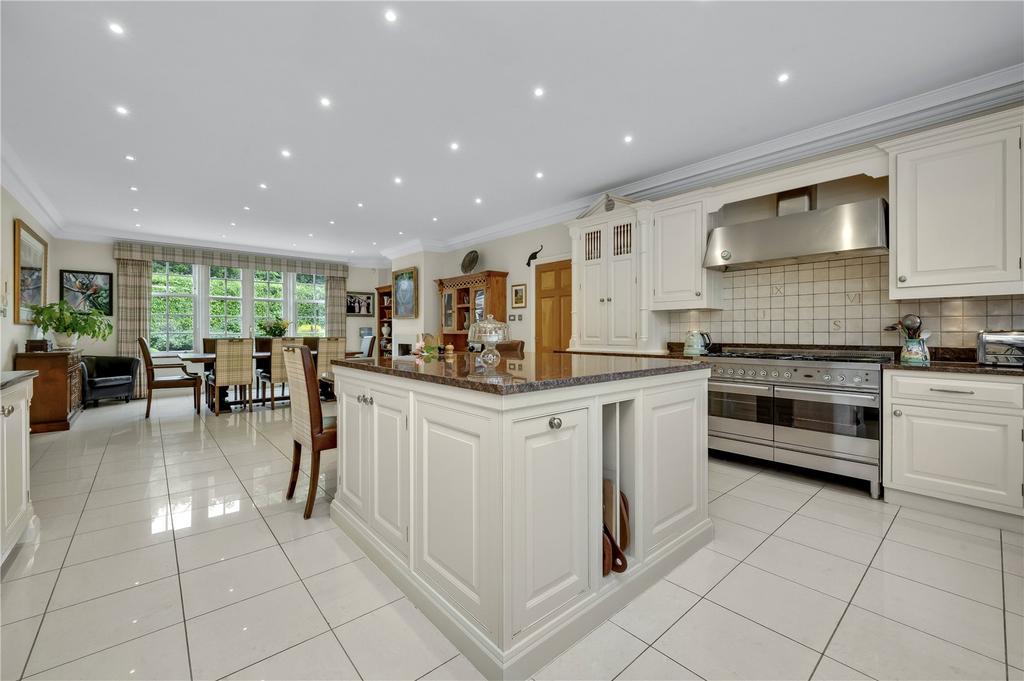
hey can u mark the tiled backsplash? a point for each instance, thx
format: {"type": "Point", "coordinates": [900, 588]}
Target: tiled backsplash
{"type": "Point", "coordinates": [838, 302]}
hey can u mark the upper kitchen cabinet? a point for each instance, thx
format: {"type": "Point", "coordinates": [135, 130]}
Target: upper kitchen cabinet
{"type": "Point", "coordinates": [679, 280]}
{"type": "Point", "coordinates": [955, 222]}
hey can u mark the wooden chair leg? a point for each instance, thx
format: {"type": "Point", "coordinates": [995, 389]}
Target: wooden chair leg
{"type": "Point", "coordinates": [195, 396]}
{"type": "Point", "coordinates": [149, 400]}
{"type": "Point", "coordinates": [248, 393]}
{"type": "Point", "coordinates": [296, 459]}
{"type": "Point", "coordinates": [271, 397]}
{"type": "Point", "coordinates": [216, 400]}
{"type": "Point", "coordinates": [314, 476]}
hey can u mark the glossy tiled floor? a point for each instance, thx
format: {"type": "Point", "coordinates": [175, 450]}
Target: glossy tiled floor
{"type": "Point", "coordinates": [166, 550]}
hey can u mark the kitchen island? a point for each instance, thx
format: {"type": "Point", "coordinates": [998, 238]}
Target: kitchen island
{"type": "Point", "coordinates": [479, 491]}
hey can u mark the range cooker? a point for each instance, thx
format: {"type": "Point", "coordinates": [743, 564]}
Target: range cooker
{"type": "Point", "coordinates": [818, 409]}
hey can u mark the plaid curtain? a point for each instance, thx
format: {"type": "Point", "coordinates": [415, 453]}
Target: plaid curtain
{"type": "Point", "coordinates": [134, 287]}
{"type": "Point", "coordinates": [139, 250]}
{"type": "Point", "coordinates": [336, 306]}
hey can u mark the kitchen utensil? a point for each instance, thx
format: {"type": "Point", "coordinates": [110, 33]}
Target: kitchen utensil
{"type": "Point", "coordinates": [912, 323]}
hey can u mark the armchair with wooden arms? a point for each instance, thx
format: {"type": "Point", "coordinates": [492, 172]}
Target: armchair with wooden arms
{"type": "Point", "coordinates": [153, 382]}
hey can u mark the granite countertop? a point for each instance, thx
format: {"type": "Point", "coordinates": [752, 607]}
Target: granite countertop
{"type": "Point", "coordinates": [959, 368]}
{"type": "Point", "coordinates": [9, 378]}
{"type": "Point", "coordinates": [530, 373]}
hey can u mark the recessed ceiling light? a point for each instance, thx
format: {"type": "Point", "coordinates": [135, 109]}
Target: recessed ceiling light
{"type": "Point", "coordinates": [245, 207]}
{"type": "Point", "coordinates": [138, 224]}
{"type": "Point", "coordinates": [293, 245]}
{"type": "Point", "coordinates": [539, 175]}
{"type": "Point", "coordinates": [286, 153]}
{"type": "Point", "coordinates": [121, 110]}
{"type": "Point", "coordinates": [129, 157]}
{"type": "Point", "coordinates": [628, 139]}
{"type": "Point", "coordinates": [359, 205]}
{"type": "Point", "coordinates": [390, 16]}
{"type": "Point", "coordinates": [434, 219]}
{"type": "Point", "coordinates": [135, 210]}
{"type": "Point", "coordinates": [454, 146]}
{"type": "Point", "coordinates": [116, 28]}
{"type": "Point", "coordinates": [133, 189]}
{"type": "Point", "coordinates": [232, 224]}
{"type": "Point", "coordinates": [330, 222]}
{"type": "Point", "coordinates": [325, 102]}
{"type": "Point", "coordinates": [401, 233]}
{"type": "Point", "coordinates": [351, 251]}
{"type": "Point", "coordinates": [374, 243]}
{"type": "Point", "coordinates": [478, 200]}
{"type": "Point", "coordinates": [263, 185]}
{"type": "Point", "coordinates": [223, 236]}
{"type": "Point", "coordinates": [538, 92]}
{"type": "Point", "coordinates": [310, 235]}
{"type": "Point", "coordinates": [398, 180]}
{"type": "Point", "coordinates": [783, 77]}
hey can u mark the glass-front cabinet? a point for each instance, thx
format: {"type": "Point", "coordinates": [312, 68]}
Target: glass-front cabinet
{"type": "Point", "coordinates": [468, 299]}
{"type": "Point", "coordinates": [449, 321]}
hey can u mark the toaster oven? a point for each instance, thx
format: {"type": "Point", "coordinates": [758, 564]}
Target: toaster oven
{"type": "Point", "coordinates": [1003, 348]}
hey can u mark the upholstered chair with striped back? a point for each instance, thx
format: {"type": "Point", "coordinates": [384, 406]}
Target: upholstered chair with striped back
{"type": "Point", "coordinates": [309, 429]}
{"type": "Point", "coordinates": [276, 374]}
{"type": "Point", "coordinates": [330, 349]}
{"type": "Point", "coordinates": [232, 367]}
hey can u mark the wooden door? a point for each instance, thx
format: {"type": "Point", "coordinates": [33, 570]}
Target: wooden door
{"type": "Point", "coordinates": [554, 306]}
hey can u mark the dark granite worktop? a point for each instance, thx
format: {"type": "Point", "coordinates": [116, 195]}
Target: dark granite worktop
{"type": "Point", "coordinates": [959, 368]}
{"type": "Point", "coordinates": [9, 378]}
{"type": "Point", "coordinates": [529, 373]}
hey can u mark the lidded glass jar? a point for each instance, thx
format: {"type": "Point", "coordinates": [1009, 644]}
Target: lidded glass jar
{"type": "Point", "coordinates": [489, 332]}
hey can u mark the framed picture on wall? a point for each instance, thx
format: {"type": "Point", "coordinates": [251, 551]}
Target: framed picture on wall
{"type": "Point", "coordinates": [518, 295]}
{"type": "Point", "coordinates": [359, 304]}
{"type": "Point", "coordinates": [405, 287]}
{"type": "Point", "coordinates": [30, 268]}
{"type": "Point", "coordinates": [88, 291]}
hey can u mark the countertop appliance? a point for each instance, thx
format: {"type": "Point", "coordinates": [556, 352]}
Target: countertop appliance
{"type": "Point", "coordinates": [1004, 348]}
{"type": "Point", "coordinates": [697, 343]}
{"type": "Point", "coordinates": [818, 409]}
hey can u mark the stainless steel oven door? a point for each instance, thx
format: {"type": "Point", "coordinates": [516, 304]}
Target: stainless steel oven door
{"type": "Point", "coordinates": [844, 423]}
{"type": "Point", "coordinates": [743, 409]}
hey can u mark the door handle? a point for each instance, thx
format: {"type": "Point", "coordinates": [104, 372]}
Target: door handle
{"type": "Point", "coordinates": [554, 423]}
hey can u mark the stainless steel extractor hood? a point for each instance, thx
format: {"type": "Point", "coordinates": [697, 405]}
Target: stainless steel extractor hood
{"type": "Point", "coordinates": [847, 230]}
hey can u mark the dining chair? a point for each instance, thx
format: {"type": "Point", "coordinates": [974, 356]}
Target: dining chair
{"type": "Point", "coordinates": [513, 349]}
{"type": "Point", "coordinates": [366, 344]}
{"type": "Point", "coordinates": [329, 349]}
{"type": "Point", "coordinates": [153, 382]}
{"type": "Point", "coordinates": [231, 367]}
{"type": "Point", "coordinates": [309, 428]}
{"type": "Point", "coordinates": [275, 373]}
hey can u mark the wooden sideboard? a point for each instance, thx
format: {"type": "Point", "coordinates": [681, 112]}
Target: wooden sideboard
{"type": "Point", "coordinates": [58, 388]}
{"type": "Point", "coordinates": [467, 299]}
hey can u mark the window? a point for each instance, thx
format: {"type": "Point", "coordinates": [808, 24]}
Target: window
{"type": "Point", "coordinates": [268, 296]}
{"type": "Point", "coordinates": [225, 300]}
{"type": "Point", "coordinates": [172, 311]}
{"type": "Point", "coordinates": [310, 305]}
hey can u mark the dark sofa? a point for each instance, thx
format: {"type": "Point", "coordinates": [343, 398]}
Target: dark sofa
{"type": "Point", "coordinates": [108, 377]}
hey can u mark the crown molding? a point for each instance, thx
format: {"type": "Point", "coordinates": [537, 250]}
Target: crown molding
{"type": "Point", "coordinates": [417, 246]}
{"type": "Point", "coordinates": [26, 192]}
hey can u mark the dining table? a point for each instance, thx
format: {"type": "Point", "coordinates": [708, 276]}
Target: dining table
{"type": "Point", "coordinates": [207, 359]}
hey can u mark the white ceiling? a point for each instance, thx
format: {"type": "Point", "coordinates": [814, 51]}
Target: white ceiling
{"type": "Point", "coordinates": [216, 90]}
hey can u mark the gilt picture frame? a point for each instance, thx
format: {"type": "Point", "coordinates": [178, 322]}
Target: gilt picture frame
{"type": "Point", "coordinates": [30, 271]}
{"type": "Point", "coordinates": [518, 295]}
{"type": "Point", "coordinates": [405, 288]}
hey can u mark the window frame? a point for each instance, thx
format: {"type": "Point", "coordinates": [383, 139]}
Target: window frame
{"type": "Point", "coordinates": [284, 299]}
{"type": "Point", "coordinates": [194, 297]}
{"type": "Point", "coordinates": [322, 302]}
{"type": "Point", "coordinates": [209, 299]}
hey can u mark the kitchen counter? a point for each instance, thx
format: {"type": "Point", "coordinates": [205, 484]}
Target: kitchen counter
{"type": "Point", "coordinates": [531, 373]}
{"type": "Point", "coordinates": [958, 368]}
{"type": "Point", "coordinates": [9, 378]}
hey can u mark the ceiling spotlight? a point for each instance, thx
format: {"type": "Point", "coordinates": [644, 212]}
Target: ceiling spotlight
{"type": "Point", "coordinates": [398, 180]}
{"type": "Point", "coordinates": [310, 235]}
{"type": "Point", "coordinates": [138, 224]}
{"type": "Point", "coordinates": [330, 222]}
{"type": "Point", "coordinates": [325, 102]}
{"type": "Point", "coordinates": [351, 251]}
{"type": "Point", "coordinates": [263, 185]}
{"type": "Point", "coordinates": [129, 157]}
{"type": "Point", "coordinates": [359, 205]}
{"type": "Point", "coordinates": [135, 210]}
{"type": "Point", "coordinates": [454, 146]}
{"type": "Point", "coordinates": [133, 189]}
{"type": "Point", "coordinates": [401, 233]}
{"type": "Point", "coordinates": [245, 207]}
{"type": "Point", "coordinates": [232, 224]}
{"type": "Point", "coordinates": [374, 243]}
{"type": "Point", "coordinates": [628, 139]}
{"type": "Point", "coordinates": [293, 245]}
{"type": "Point", "coordinates": [434, 219]}
{"type": "Point", "coordinates": [286, 153]}
{"type": "Point", "coordinates": [783, 77]}
{"type": "Point", "coordinates": [115, 28]}
{"type": "Point", "coordinates": [390, 16]}
{"type": "Point", "coordinates": [539, 175]}
{"type": "Point", "coordinates": [223, 236]}
{"type": "Point", "coordinates": [478, 200]}
{"type": "Point", "coordinates": [123, 111]}
{"type": "Point", "coordinates": [538, 92]}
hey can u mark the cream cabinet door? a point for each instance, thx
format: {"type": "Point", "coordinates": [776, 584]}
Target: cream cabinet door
{"type": "Point", "coordinates": [621, 298]}
{"type": "Point", "coordinates": [550, 515]}
{"type": "Point", "coordinates": [675, 444]}
{"type": "Point", "coordinates": [389, 469]}
{"type": "Point", "coordinates": [593, 307]}
{"type": "Point", "coordinates": [678, 256]}
{"type": "Point", "coordinates": [14, 467]}
{"type": "Point", "coordinates": [958, 215]}
{"type": "Point", "coordinates": [959, 455]}
{"type": "Point", "coordinates": [353, 447]}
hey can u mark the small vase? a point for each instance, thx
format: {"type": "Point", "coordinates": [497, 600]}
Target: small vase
{"type": "Point", "coordinates": [385, 330]}
{"type": "Point", "coordinates": [915, 352]}
{"type": "Point", "coordinates": [65, 341]}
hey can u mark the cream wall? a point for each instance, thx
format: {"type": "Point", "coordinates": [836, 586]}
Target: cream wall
{"type": "Point", "coordinates": [93, 256]}
{"type": "Point", "coordinates": [362, 279]}
{"type": "Point", "coordinates": [431, 266]}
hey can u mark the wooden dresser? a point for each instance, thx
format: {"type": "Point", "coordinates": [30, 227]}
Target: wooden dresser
{"type": "Point", "coordinates": [58, 388]}
{"type": "Point", "coordinates": [467, 299]}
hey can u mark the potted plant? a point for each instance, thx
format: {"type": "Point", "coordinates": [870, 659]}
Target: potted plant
{"type": "Point", "coordinates": [275, 327]}
{"type": "Point", "coordinates": [66, 324]}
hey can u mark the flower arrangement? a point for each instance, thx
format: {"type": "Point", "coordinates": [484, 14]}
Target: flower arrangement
{"type": "Point", "coordinates": [424, 350]}
{"type": "Point", "coordinates": [275, 327]}
{"type": "Point", "coordinates": [67, 324]}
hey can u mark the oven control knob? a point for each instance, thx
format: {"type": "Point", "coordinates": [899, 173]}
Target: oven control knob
{"type": "Point", "coordinates": [721, 371]}
{"type": "Point", "coordinates": [762, 373]}
{"type": "Point", "coordinates": [775, 374]}
{"type": "Point", "coordinates": [740, 372]}
{"type": "Point", "coordinates": [730, 372]}
{"type": "Point", "coordinates": [841, 378]}
{"type": "Point", "coordinates": [788, 374]}
{"type": "Point", "coordinates": [826, 378]}
{"type": "Point", "coordinates": [857, 380]}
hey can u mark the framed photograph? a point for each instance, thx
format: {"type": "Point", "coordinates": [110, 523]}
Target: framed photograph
{"type": "Point", "coordinates": [87, 291]}
{"type": "Point", "coordinates": [359, 304]}
{"type": "Point", "coordinates": [29, 271]}
{"type": "Point", "coordinates": [406, 288]}
{"type": "Point", "coordinates": [518, 295]}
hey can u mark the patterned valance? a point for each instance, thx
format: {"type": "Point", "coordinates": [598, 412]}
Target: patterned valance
{"type": "Point", "coordinates": [138, 250]}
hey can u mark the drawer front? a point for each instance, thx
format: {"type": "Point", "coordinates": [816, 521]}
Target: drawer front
{"type": "Point", "coordinates": [972, 391]}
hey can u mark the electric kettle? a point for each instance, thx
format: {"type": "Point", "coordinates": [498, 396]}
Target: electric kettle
{"type": "Point", "coordinates": [697, 343]}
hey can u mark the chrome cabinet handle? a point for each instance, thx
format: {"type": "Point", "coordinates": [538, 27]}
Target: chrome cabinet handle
{"type": "Point", "coordinates": [8, 410]}
{"type": "Point", "coordinates": [369, 400]}
{"type": "Point", "coordinates": [901, 278]}
{"type": "Point", "coordinates": [361, 399]}
{"type": "Point", "coordinates": [897, 412]}
{"type": "Point", "coordinates": [951, 390]}
{"type": "Point", "coordinates": [554, 423]}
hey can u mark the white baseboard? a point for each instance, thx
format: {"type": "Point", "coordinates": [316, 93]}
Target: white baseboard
{"type": "Point", "coordinates": [952, 509]}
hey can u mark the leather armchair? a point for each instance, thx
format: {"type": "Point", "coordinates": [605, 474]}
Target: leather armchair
{"type": "Point", "coordinates": [105, 377]}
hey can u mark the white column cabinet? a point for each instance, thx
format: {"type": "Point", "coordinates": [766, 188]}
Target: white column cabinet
{"type": "Point", "coordinates": [16, 505]}
{"type": "Point", "coordinates": [679, 278]}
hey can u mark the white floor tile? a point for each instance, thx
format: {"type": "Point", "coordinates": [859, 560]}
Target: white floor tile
{"type": "Point", "coordinates": [721, 481]}
{"type": "Point", "coordinates": [788, 480]}
{"type": "Point", "coordinates": [792, 610]}
{"type": "Point", "coordinates": [117, 477]}
{"type": "Point", "coordinates": [47, 508]}
{"type": "Point", "coordinates": [600, 655]}
{"type": "Point", "coordinates": [193, 468]}
{"type": "Point", "coordinates": [654, 666]}
{"type": "Point", "coordinates": [318, 659]}
{"type": "Point", "coordinates": [122, 495]}
{"type": "Point", "coordinates": [49, 528]}
{"type": "Point", "coordinates": [950, 523]}
{"type": "Point", "coordinates": [321, 551]}
{"type": "Point", "coordinates": [88, 627]}
{"type": "Point", "coordinates": [702, 570]}
{"type": "Point", "coordinates": [456, 669]}
{"type": "Point", "coordinates": [830, 670]}
{"type": "Point", "coordinates": [1013, 588]}
{"type": "Point", "coordinates": [26, 597]}
{"type": "Point", "coordinates": [56, 490]}
{"type": "Point", "coordinates": [854, 497]}
{"type": "Point", "coordinates": [949, 542]}
{"type": "Point", "coordinates": [395, 642]}
{"type": "Point", "coordinates": [160, 656]}
{"type": "Point", "coordinates": [100, 577]}
{"type": "Point", "coordinates": [870, 521]}
{"type": "Point", "coordinates": [651, 614]}
{"type": "Point", "coordinates": [62, 474]}
{"type": "Point", "coordinates": [718, 644]}
{"type": "Point", "coordinates": [211, 508]}
{"type": "Point", "coordinates": [122, 514]}
{"type": "Point", "coordinates": [941, 571]}
{"type": "Point", "coordinates": [102, 543]}
{"type": "Point", "coordinates": [227, 542]}
{"type": "Point", "coordinates": [756, 489]}
{"type": "Point", "coordinates": [747, 513]}
{"type": "Point", "coordinates": [824, 572]}
{"type": "Point", "coordinates": [734, 540]}
{"type": "Point", "coordinates": [1013, 559]}
{"type": "Point", "coordinates": [1013, 538]}
{"type": "Point", "coordinates": [348, 591]}
{"type": "Point", "coordinates": [291, 525]}
{"type": "Point", "coordinates": [952, 618]}
{"type": "Point", "coordinates": [31, 559]}
{"type": "Point", "coordinates": [15, 643]}
{"type": "Point", "coordinates": [1015, 640]}
{"type": "Point", "coordinates": [839, 541]}
{"type": "Point", "coordinates": [219, 584]}
{"type": "Point", "coordinates": [232, 638]}
{"type": "Point", "coordinates": [885, 649]}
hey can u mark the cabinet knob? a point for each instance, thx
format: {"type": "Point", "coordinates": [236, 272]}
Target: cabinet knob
{"type": "Point", "coordinates": [609, 300]}
{"type": "Point", "coordinates": [369, 400]}
{"type": "Point", "coordinates": [897, 412]}
{"type": "Point", "coordinates": [600, 300]}
{"type": "Point", "coordinates": [902, 278]}
{"type": "Point", "coordinates": [360, 399]}
{"type": "Point", "coordinates": [554, 423]}
{"type": "Point", "coordinates": [698, 294]}
{"type": "Point", "coordinates": [9, 409]}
